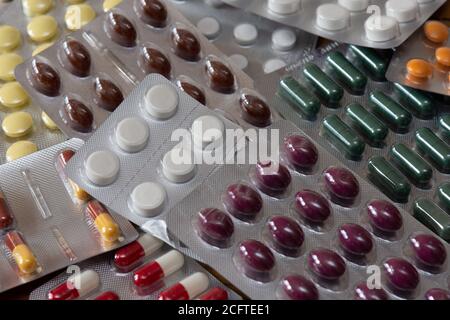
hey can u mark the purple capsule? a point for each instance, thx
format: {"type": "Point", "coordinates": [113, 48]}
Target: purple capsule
{"type": "Point", "coordinates": [242, 201]}
{"type": "Point", "coordinates": [286, 236]}
{"type": "Point", "coordinates": [428, 250]}
{"type": "Point", "coordinates": [215, 227]}
{"type": "Point", "coordinates": [384, 216]}
{"type": "Point", "coordinates": [354, 239]}
{"type": "Point", "coordinates": [363, 292]}
{"type": "Point", "coordinates": [312, 206]}
{"type": "Point", "coordinates": [272, 179]}
{"type": "Point", "coordinates": [256, 259]}
{"type": "Point", "coordinates": [342, 186]}
{"type": "Point", "coordinates": [301, 153]}
{"type": "Point", "coordinates": [401, 275]}
{"type": "Point", "coordinates": [437, 294]}
{"type": "Point", "coordinates": [326, 264]}
{"type": "Point", "coordinates": [296, 287]}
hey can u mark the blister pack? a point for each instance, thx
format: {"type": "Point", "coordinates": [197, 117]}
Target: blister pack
{"type": "Point", "coordinates": [423, 61]}
{"type": "Point", "coordinates": [377, 23]}
{"type": "Point", "coordinates": [43, 228]}
{"type": "Point", "coordinates": [145, 269]}
{"type": "Point", "coordinates": [253, 43]}
{"type": "Point", "coordinates": [386, 132]}
{"type": "Point", "coordinates": [304, 227]}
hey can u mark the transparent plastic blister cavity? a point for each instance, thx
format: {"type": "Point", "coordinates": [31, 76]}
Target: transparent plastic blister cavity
{"type": "Point", "coordinates": [387, 133]}
{"type": "Point", "coordinates": [159, 273]}
{"type": "Point", "coordinates": [253, 43]}
{"type": "Point", "coordinates": [307, 228]}
{"type": "Point", "coordinates": [42, 229]}
{"type": "Point", "coordinates": [370, 23]}
{"type": "Point", "coordinates": [423, 61]}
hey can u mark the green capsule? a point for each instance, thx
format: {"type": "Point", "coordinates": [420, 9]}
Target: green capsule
{"type": "Point", "coordinates": [434, 148]}
{"type": "Point", "coordinates": [444, 195]}
{"type": "Point", "coordinates": [388, 179]}
{"type": "Point", "coordinates": [418, 102]}
{"type": "Point", "coordinates": [346, 72]}
{"type": "Point", "coordinates": [433, 217]}
{"type": "Point", "coordinates": [325, 87]}
{"type": "Point", "coordinates": [297, 95]}
{"type": "Point", "coordinates": [411, 164]}
{"type": "Point", "coordinates": [444, 123]}
{"type": "Point", "coordinates": [371, 61]}
{"type": "Point", "coordinates": [344, 137]}
{"type": "Point", "coordinates": [397, 117]}
{"type": "Point", "coordinates": [369, 125]}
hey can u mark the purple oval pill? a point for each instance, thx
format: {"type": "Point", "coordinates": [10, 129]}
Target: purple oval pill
{"type": "Point", "coordinates": [428, 250]}
{"type": "Point", "coordinates": [354, 239]}
{"type": "Point", "coordinates": [401, 274]}
{"type": "Point", "coordinates": [342, 185]}
{"type": "Point", "coordinates": [286, 235]}
{"type": "Point", "coordinates": [215, 227]}
{"type": "Point", "coordinates": [272, 179]}
{"type": "Point", "coordinates": [326, 264]}
{"type": "Point", "coordinates": [384, 216]}
{"type": "Point", "coordinates": [312, 206]}
{"type": "Point", "coordinates": [301, 153]}
{"type": "Point", "coordinates": [242, 201]}
{"type": "Point", "coordinates": [363, 292]}
{"type": "Point", "coordinates": [296, 287]}
{"type": "Point", "coordinates": [437, 294]}
{"type": "Point", "coordinates": [256, 260]}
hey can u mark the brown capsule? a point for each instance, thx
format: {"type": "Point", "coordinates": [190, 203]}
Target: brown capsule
{"type": "Point", "coordinates": [121, 30]}
{"type": "Point", "coordinates": [193, 91]}
{"type": "Point", "coordinates": [77, 57]}
{"type": "Point", "coordinates": [221, 79]}
{"type": "Point", "coordinates": [153, 12]}
{"type": "Point", "coordinates": [78, 116]}
{"type": "Point", "coordinates": [186, 45]}
{"type": "Point", "coordinates": [107, 95]}
{"type": "Point", "coordinates": [45, 79]}
{"type": "Point", "coordinates": [154, 61]}
{"type": "Point", "coordinates": [255, 111]}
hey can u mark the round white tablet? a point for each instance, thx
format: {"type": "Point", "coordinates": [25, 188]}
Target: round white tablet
{"type": "Point", "coordinates": [403, 11]}
{"type": "Point", "coordinates": [148, 199]}
{"type": "Point", "coordinates": [283, 39]}
{"type": "Point", "coordinates": [332, 17]}
{"type": "Point", "coordinates": [239, 61]}
{"type": "Point", "coordinates": [381, 28]}
{"type": "Point", "coordinates": [207, 130]}
{"type": "Point", "coordinates": [132, 134]}
{"type": "Point", "coordinates": [273, 65]}
{"type": "Point", "coordinates": [354, 5]}
{"type": "Point", "coordinates": [102, 167]}
{"type": "Point", "coordinates": [284, 7]}
{"type": "Point", "coordinates": [161, 101]}
{"type": "Point", "coordinates": [245, 34]}
{"type": "Point", "coordinates": [175, 169]}
{"type": "Point", "coordinates": [209, 27]}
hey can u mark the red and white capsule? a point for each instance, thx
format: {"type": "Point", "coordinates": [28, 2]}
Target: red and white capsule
{"type": "Point", "coordinates": [214, 294]}
{"type": "Point", "coordinates": [186, 289]}
{"type": "Point", "coordinates": [108, 295]}
{"type": "Point", "coordinates": [77, 286]}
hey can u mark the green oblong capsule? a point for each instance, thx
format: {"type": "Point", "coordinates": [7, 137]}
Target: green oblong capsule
{"type": "Point", "coordinates": [397, 117]}
{"type": "Point", "coordinates": [434, 148]}
{"type": "Point", "coordinates": [370, 126]}
{"type": "Point", "coordinates": [346, 72]}
{"type": "Point", "coordinates": [444, 123]}
{"type": "Point", "coordinates": [432, 216]}
{"type": "Point", "coordinates": [388, 179]}
{"type": "Point", "coordinates": [444, 195]}
{"type": "Point", "coordinates": [325, 87]}
{"type": "Point", "coordinates": [411, 164]}
{"type": "Point", "coordinates": [371, 61]}
{"type": "Point", "coordinates": [297, 95]}
{"type": "Point", "coordinates": [421, 105]}
{"type": "Point", "coordinates": [343, 136]}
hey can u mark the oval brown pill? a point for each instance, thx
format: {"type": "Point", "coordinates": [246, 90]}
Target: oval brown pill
{"type": "Point", "coordinates": [255, 111]}
{"type": "Point", "coordinates": [192, 90]}
{"type": "Point", "coordinates": [153, 12]}
{"type": "Point", "coordinates": [221, 78]}
{"type": "Point", "coordinates": [78, 116]}
{"type": "Point", "coordinates": [154, 61]}
{"type": "Point", "coordinates": [45, 79]}
{"type": "Point", "coordinates": [6, 218]}
{"type": "Point", "coordinates": [107, 95]}
{"type": "Point", "coordinates": [77, 57]}
{"type": "Point", "coordinates": [185, 44]}
{"type": "Point", "coordinates": [121, 30]}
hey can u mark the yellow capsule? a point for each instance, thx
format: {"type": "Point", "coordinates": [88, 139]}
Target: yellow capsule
{"type": "Point", "coordinates": [9, 38]}
{"type": "Point", "coordinates": [42, 28]}
{"type": "Point", "coordinates": [36, 7]}
{"type": "Point", "coordinates": [8, 62]}
{"type": "Point", "coordinates": [41, 48]}
{"type": "Point", "coordinates": [17, 124]}
{"type": "Point", "coordinates": [25, 260]}
{"type": "Point", "coordinates": [48, 122]}
{"type": "Point", "coordinates": [13, 95]}
{"type": "Point", "coordinates": [79, 193]}
{"type": "Point", "coordinates": [109, 4]}
{"type": "Point", "coordinates": [107, 227]}
{"type": "Point", "coordinates": [20, 149]}
{"type": "Point", "coordinates": [78, 15]}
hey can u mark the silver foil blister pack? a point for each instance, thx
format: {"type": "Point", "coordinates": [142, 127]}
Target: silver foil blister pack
{"type": "Point", "coordinates": [369, 23]}
{"type": "Point", "coordinates": [48, 231]}
{"type": "Point", "coordinates": [281, 253]}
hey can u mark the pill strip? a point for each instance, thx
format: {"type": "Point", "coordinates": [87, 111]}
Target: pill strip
{"type": "Point", "coordinates": [225, 260]}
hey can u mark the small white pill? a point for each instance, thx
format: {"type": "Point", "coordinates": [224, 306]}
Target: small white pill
{"type": "Point", "coordinates": [283, 39]}
{"type": "Point", "coordinates": [381, 28]}
{"type": "Point", "coordinates": [403, 11]}
{"type": "Point", "coordinates": [148, 199]}
{"type": "Point", "coordinates": [273, 65]}
{"type": "Point", "coordinates": [332, 17]}
{"type": "Point", "coordinates": [207, 130]}
{"type": "Point", "coordinates": [132, 134]}
{"type": "Point", "coordinates": [102, 167]}
{"type": "Point", "coordinates": [209, 27]}
{"type": "Point", "coordinates": [161, 101]}
{"type": "Point", "coordinates": [245, 34]}
{"type": "Point", "coordinates": [284, 7]}
{"type": "Point", "coordinates": [239, 61]}
{"type": "Point", "coordinates": [175, 169]}
{"type": "Point", "coordinates": [354, 5]}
